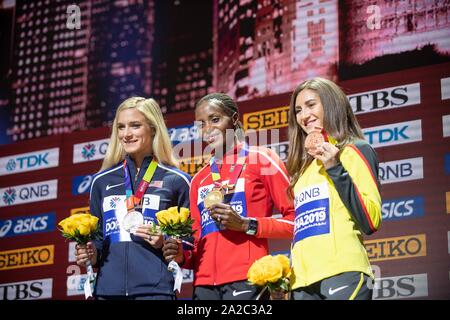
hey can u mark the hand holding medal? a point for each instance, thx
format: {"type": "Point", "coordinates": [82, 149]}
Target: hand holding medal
{"type": "Point", "coordinates": [322, 147]}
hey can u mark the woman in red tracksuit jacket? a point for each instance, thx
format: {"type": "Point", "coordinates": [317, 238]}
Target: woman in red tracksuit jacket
{"type": "Point", "coordinates": [232, 234]}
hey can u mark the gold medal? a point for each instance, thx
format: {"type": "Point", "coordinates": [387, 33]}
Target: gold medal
{"type": "Point", "coordinates": [215, 196]}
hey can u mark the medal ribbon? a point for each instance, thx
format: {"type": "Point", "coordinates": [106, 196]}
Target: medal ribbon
{"type": "Point", "coordinates": [215, 174]}
{"type": "Point", "coordinates": [134, 200]}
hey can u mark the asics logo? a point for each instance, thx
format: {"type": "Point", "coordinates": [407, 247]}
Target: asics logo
{"type": "Point", "coordinates": [113, 186]}
{"type": "Point", "coordinates": [237, 293]}
{"type": "Point", "coordinates": [333, 291]}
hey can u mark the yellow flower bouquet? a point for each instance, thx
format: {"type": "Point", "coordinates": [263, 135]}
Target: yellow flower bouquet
{"type": "Point", "coordinates": [82, 228]}
{"type": "Point", "coordinates": [272, 273]}
{"type": "Point", "coordinates": [177, 224]}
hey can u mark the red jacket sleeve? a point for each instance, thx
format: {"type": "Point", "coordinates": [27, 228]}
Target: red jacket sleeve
{"type": "Point", "coordinates": [276, 180]}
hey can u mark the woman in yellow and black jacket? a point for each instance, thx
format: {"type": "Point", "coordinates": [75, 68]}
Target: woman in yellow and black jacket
{"type": "Point", "coordinates": [336, 194]}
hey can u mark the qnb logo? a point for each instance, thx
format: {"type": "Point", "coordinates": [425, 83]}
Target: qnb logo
{"type": "Point", "coordinates": [10, 165]}
{"type": "Point", "coordinates": [401, 170]}
{"type": "Point", "coordinates": [88, 151]}
{"type": "Point", "coordinates": [9, 196]}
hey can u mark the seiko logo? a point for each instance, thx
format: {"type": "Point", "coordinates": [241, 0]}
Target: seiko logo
{"type": "Point", "coordinates": [266, 119]}
{"type": "Point", "coordinates": [394, 97]}
{"type": "Point", "coordinates": [26, 257]}
{"type": "Point", "coordinates": [396, 248]}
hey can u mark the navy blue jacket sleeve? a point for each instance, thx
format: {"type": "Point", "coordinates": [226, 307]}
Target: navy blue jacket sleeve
{"type": "Point", "coordinates": [95, 207]}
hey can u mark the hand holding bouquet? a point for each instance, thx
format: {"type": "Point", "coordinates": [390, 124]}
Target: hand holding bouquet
{"type": "Point", "coordinates": [272, 273]}
{"type": "Point", "coordinates": [82, 228]}
{"type": "Point", "coordinates": [176, 224]}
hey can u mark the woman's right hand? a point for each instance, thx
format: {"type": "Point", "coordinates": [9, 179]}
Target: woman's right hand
{"type": "Point", "coordinates": [173, 250]}
{"type": "Point", "coordinates": [85, 252]}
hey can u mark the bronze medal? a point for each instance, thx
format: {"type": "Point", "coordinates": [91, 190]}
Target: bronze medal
{"type": "Point", "coordinates": [313, 139]}
{"type": "Point", "coordinates": [215, 196]}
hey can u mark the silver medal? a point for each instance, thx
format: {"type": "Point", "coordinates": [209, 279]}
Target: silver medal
{"type": "Point", "coordinates": [132, 220]}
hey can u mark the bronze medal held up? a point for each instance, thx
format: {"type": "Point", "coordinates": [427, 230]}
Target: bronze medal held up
{"type": "Point", "coordinates": [313, 140]}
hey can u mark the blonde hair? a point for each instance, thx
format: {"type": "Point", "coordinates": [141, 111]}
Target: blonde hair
{"type": "Point", "coordinates": [161, 145]}
{"type": "Point", "coordinates": [339, 121]}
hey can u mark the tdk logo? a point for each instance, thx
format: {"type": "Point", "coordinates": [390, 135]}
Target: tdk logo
{"type": "Point", "coordinates": [396, 133]}
{"type": "Point", "coordinates": [81, 184]}
{"type": "Point", "coordinates": [408, 207]}
{"type": "Point", "coordinates": [27, 225]}
{"type": "Point", "coordinates": [24, 162]}
{"type": "Point", "coordinates": [401, 170]}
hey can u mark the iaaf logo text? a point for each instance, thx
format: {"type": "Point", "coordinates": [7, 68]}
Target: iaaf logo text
{"type": "Point", "coordinates": [33, 192]}
{"type": "Point", "coordinates": [37, 160]}
{"type": "Point", "coordinates": [91, 150]}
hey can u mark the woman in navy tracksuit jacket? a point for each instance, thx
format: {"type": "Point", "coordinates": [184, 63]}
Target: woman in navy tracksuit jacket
{"type": "Point", "coordinates": [131, 264]}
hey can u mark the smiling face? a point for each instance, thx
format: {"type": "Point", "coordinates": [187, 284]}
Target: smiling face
{"type": "Point", "coordinates": [134, 133]}
{"type": "Point", "coordinates": [309, 110]}
{"type": "Point", "coordinates": [213, 123]}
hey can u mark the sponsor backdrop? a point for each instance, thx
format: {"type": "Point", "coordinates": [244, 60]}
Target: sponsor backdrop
{"type": "Point", "coordinates": [405, 116]}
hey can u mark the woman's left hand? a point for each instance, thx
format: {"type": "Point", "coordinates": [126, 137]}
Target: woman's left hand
{"type": "Point", "coordinates": [145, 231]}
{"type": "Point", "coordinates": [327, 154]}
{"type": "Point", "coordinates": [225, 214]}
